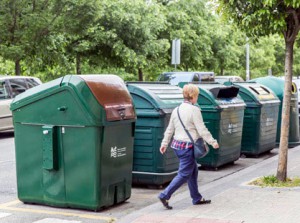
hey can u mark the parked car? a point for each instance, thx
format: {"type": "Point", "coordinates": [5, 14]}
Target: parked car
{"type": "Point", "coordinates": [10, 87]}
{"type": "Point", "coordinates": [176, 77]}
{"type": "Point", "coordinates": [223, 79]}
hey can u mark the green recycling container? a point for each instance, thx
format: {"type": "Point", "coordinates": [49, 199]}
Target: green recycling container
{"type": "Point", "coordinates": [223, 114]}
{"type": "Point", "coordinates": [74, 142]}
{"type": "Point", "coordinates": [260, 118]}
{"type": "Point", "coordinates": [154, 103]}
{"type": "Point", "coordinates": [277, 86]}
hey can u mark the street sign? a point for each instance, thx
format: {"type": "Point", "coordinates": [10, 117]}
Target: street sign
{"type": "Point", "coordinates": [176, 51]}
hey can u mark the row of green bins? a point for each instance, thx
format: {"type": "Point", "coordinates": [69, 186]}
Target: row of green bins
{"type": "Point", "coordinates": [154, 103]}
{"type": "Point", "coordinates": [277, 86]}
{"type": "Point", "coordinates": [260, 118]}
{"type": "Point", "coordinates": [223, 114]}
{"type": "Point", "coordinates": [74, 142]}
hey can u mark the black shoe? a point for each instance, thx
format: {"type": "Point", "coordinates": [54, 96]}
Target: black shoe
{"type": "Point", "coordinates": [203, 201]}
{"type": "Point", "coordinates": [165, 203]}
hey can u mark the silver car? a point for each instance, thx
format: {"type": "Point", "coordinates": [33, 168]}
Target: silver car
{"type": "Point", "coordinates": [174, 78]}
{"type": "Point", "coordinates": [10, 87]}
{"type": "Point", "coordinates": [223, 79]}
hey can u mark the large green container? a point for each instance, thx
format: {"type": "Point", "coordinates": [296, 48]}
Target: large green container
{"type": "Point", "coordinates": [74, 142]}
{"type": "Point", "coordinates": [154, 103]}
{"type": "Point", "coordinates": [223, 115]}
{"type": "Point", "coordinates": [260, 118]}
{"type": "Point", "coordinates": [277, 86]}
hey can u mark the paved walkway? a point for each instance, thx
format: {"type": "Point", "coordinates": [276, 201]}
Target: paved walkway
{"type": "Point", "coordinates": [233, 201]}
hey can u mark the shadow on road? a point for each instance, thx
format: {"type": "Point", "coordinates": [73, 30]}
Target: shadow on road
{"type": "Point", "coordinates": [8, 134]}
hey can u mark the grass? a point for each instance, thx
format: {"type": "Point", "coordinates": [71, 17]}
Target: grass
{"type": "Point", "coordinates": [271, 181]}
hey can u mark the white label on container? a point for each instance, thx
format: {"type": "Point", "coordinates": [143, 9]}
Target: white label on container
{"type": "Point", "coordinates": [269, 122]}
{"type": "Point", "coordinates": [116, 152]}
{"type": "Point", "coordinates": [232, 128]}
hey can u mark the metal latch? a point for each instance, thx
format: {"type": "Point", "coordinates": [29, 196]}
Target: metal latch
{"type": "Point", "coordinates": [122, 113]}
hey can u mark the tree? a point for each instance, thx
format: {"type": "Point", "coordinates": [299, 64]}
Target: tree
{"type": "Point", "coordinates": [27, 27]}
{"type": "Point", "coordinates": [78, 31]}
{"type": "Point", "coordinates": [6, 67]}
{"type": "Point", "coordinates": [228, 49]}
{"type": "Point", "coordinates": [262, 56]}
{"type": "Point", "coordinates": [22, 25]}
{"type": "Point", "coordinates": [278, 68]}
{"type": "Point", "coordinates": [191, 22]}
{"type": "Point", "coordinates": [261, 18]}
{"type": "Point", "coordinates": [126, 35]}
{"type": "Point", "coordinates": [296, 68]}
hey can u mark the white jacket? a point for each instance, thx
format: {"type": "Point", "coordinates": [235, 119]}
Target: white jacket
{"type": "Point", "coordinates": [192, 119]}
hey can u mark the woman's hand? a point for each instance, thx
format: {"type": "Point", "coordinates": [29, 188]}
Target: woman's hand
{"type": "Point", "coordinates": [215, 145]}
{"type": "Point", "coordinates": [163, 149]}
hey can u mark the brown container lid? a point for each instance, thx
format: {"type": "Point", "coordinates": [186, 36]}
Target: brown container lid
{"type": "Point", "coordinates": [111, 92]}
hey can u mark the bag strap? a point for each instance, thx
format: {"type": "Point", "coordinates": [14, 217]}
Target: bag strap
{"type": "Point", "coordinates": [187, 132]}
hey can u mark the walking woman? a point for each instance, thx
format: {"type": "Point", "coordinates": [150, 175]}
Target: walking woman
{"type": "Point", "coordinates": [188, 169]}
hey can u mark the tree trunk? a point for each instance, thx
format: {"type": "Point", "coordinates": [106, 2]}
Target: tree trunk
{"type": "Point", "coordinates": [222, 71]}
{"type": "Point", "coordinates": [140, 74]}
{"type": "Point", "coordinates": [285, 121]}
{"type": "Point", "coordinates": [78, 64]}
{"type": "Point", "coordinates": [290, 35]}
{"type": "Point", "coordinates": [17, 68]}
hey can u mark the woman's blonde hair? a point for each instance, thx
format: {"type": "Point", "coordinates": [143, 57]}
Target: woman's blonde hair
{"type": "Point", "coordinates": [190, 91]}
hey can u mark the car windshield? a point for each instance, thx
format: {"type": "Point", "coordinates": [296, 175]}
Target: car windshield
{"type": "Point", "coordinates": [175, 78]}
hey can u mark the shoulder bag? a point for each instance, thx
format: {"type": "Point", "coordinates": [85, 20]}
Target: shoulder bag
{"type": "Point", "coordinates": [200, 147]}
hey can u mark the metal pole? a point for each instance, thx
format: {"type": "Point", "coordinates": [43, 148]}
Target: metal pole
{"type": "Point", "coordinates": [270, 71]}
{"type": "Point", "coordinates": [247, 60]}
{"type": "Point", "coordinates": [175, 52]}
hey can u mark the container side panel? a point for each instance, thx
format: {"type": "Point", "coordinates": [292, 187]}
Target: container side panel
{"type": "Point", "coordinates": [226, 126]}
{"type": "Point", "coordinates": [116, 163]}
{"type": "Point", "coordinates": [81, 159]}
{"type": "Point", "coordinates": [29, 163]}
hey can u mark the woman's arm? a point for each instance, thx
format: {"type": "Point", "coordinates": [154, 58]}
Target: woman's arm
{"type": "Point", "coordinates": [169, 132]}
{"type": "Point", "coordinates": [201, 128]}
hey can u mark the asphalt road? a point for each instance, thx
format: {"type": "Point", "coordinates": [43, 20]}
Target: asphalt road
{"type": "Point", "coordinates": [14, 211]}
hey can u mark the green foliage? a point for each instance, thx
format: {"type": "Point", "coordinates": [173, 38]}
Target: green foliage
{"type": "Point", "coordinates": [27, 27]}
{"type": "Point", "coordinates": [6, 67]}
{"type": "Point", "coordinates": [228, 48]}
{"type": "Point", "coordinates": [261, 18]}
{"type": "Point", "coordinates": [87, 69]}
{"type": "Point", "coordinates": [130, 33]}
{"type": "Point", "coordinates": [58, 37]}
{"type": "Point", "coordinates": [263, 56]}
{"type": "Point", "coordinates": [272, 181]}
{"type": "Point", "coordinates": [269, 180]}
{"type": "Point", "coordinates": [296, 67]}
{"type": "Point", "coordinates": [190, 21]}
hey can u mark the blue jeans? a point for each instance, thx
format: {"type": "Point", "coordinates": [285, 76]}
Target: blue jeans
{"type": "Point", "coordinates": [187, 172]}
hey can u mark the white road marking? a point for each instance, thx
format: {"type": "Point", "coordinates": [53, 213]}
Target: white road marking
{"type": "Point", "coordinates": [9, 206]}
{"type": "Point", "coordinates": [3, 215]}
{"type": "Point", "coordinates": [55, 220]}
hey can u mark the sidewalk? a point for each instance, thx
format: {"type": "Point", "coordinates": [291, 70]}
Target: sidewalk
{"type": "Point", "coordinates": [233, 201]}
